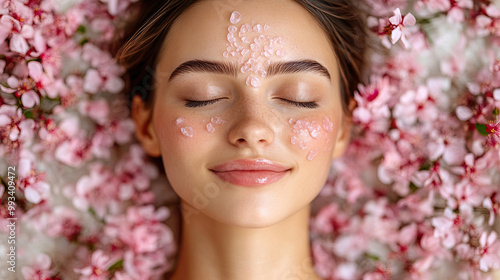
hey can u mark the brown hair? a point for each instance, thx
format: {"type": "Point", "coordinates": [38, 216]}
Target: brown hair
{"type": "Point", "coordinates": [341, 20]}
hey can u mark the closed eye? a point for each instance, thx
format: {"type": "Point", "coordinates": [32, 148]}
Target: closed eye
{"type": "Point", "coordinates": [201, 103]}
{"type": "Point", "coordinates": [310, 104]}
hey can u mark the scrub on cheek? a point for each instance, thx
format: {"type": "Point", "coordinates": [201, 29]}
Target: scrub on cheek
{"type": "Point", "coordinates": [185, 130]}
{"type": "Point", "coordinates": [214, 122]}
{"type": "Point", "coordinates": [188, 131]}
{"type": "Point", "coordinates": [251, 48]}
{"type": "Point", "coordinates": [308, 135]}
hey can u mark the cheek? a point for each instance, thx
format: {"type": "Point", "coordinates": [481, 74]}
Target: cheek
{"type": "Point", "coordinates": [312, 136]}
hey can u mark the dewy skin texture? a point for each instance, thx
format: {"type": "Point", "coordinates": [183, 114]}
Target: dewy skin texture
{"type": "Point", "coordinates": [249, 46]}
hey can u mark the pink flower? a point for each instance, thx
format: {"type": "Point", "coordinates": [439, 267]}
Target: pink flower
{"type": "Point", "coordinates": [463, 194]}
{"type": "Point", "coordinates": [415, 207]}
{"type": "Point", "coordinates": [92, 81]}
{"type": "Point", "coordinates": [64, 222]}
{"type": "Point", "coordinates": [464, 113]}
{"type": "Point", "coordinates": [32, 182]}
{"type": "Point", "coordinates": [149, 240]}
{"type": "Point", "coordinates": [150, 266]}
{"type": "Point", "coordinates": [489, 251]}
{"type": "Point", "coordinates": [434, 5]}
{"type": "Point", "coordinates": [14, 128]}
{"type": "Point", "coordinates": [98, 110]}
{"type": "Point", "coordinates": [475, 170]}
{"type": "Point", "coordinates": [493, 128]}
{"type": "Point", "coordinates": [40, 269]}
{"type": "Point", "coordinates": [116, 6]}
{"type": "Point", "coordinates": [98, 267]}
{"type": "Point", "coordinates": [98, 190]}
{"type": "Point", "coordinates": [447, 228]}
{"type": "Point", "coordinates": [450, 148]}
{"type": "Point", "coordinates": [330, 219]}
{"type": "Point", "coordinates": [73, 152]}
{"type": "Point", "coordinates": [415, 105]}
{"type": "Point", "coordinates": [456, 13]}
{"type": "Point", "coordinates": [379, 223]}
{"type": "Point", "coordinates": [372, 109]}
{"type": "Point", "coordinates": [399, 24]}
{"type": "Point", "coordinates": [382, 8]}
{"type": "Point", "coordinates": [493, 205]}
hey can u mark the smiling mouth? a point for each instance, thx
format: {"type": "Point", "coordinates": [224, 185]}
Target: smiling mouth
{"type": "Point", "coordinates": [249, 173]}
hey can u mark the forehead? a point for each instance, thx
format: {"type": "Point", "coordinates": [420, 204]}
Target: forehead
{"type": "Point", "coordinates": [201, 32]}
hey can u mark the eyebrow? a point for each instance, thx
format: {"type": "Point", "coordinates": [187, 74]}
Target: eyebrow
{"type": "Point", "coordinates": [282, 67]}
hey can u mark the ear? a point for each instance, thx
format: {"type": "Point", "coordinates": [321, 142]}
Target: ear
{"type": "Point", "coordinates": [343, 138]}
{"type": "Point", "coordinates": [344, 133]}
{"type": "Point", "coordinates": [144, 129]}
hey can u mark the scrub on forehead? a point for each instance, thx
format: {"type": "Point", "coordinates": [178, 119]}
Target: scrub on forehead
{"type": "Point", "coordinates": [251, 48]}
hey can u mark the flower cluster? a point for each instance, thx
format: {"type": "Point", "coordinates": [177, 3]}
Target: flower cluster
{"type": "Point", "coordinates": [419, 187]}
{"type": "Point", "coordinates": [83, 193]}
{"type": "Point", "coordinates": [417, 191]}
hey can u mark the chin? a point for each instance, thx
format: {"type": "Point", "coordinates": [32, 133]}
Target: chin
{"type": "Point", "coordinates": [247, 216]}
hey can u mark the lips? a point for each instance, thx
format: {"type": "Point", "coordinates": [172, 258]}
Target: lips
{"type": "Point", "coordinates": [248, 173]}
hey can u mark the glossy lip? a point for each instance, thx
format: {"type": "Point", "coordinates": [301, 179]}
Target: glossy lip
{"type": "Point", "coordinates": [250, 172]}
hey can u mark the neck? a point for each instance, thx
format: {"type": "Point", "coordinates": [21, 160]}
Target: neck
{"type": "Point", "coordinates": [213, 250]}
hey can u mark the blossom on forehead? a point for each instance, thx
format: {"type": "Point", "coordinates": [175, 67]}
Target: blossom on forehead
{"type": "Point", "coordinates": [251, 48]}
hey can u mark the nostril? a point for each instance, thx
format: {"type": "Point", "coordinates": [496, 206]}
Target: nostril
{"type": "Point", "coordinates": [241, 140]}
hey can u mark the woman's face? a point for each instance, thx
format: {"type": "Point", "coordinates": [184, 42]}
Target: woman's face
{"type": "Point", "coordinates": [246, 149]}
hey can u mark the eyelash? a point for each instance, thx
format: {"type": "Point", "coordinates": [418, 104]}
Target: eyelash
{"type": "Point", "coordinates": [195, 104]}
{"type": "Point", "coordinates": [310, 104]}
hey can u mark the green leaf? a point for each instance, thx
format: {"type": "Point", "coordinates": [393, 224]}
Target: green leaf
{"type": "Point", "coordinates": [413, 188]}
{"type": "Point", "coordinates": [496, 112]}
{"type": "Point", "coordinates": [92, 211]}
{"type": "Point", "coordinates": [83, 41]}
{"type": "Point", "coordinates": [33, 59]}
{"type": "Point", "coordinates": [481, 128]}
{"type": "Point", "coordinates": [116, 266]}
{"type": "Point", "coordinates": [28, 114]}
{"type": "Point", "coordinates": [426, 166]}
{"type": "Point", "coordinates": [373, 257]}
{"type": "Point", "coordinates": [81, 29]}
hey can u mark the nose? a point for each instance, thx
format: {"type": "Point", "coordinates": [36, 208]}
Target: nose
{"type": "Point", "coordinates": [252, 126]}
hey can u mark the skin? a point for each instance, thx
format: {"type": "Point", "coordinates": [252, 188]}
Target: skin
{"type": "Point", "coordinates": [230, 231]}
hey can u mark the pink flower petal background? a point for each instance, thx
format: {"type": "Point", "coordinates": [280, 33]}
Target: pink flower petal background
{"type": "Point", "coordinates": [416, 196]}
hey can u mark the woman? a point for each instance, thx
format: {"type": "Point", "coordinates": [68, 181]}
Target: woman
{"type": "Point", "coordinates": [247, 103]}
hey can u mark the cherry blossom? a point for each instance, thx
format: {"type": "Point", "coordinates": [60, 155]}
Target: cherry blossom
{"type": "Point", "coordinates": [400, 23]}
{"type": "Point", "coordinates": [31, 181]}
{"type": "Point", "coordinates": [489, 251]}
{"type": "Point", "coordinates": [98, 267]}
{"type": "Point", "coordinates": [415, 191]}
{"type": "Point", "coordinates": [40, 269]}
